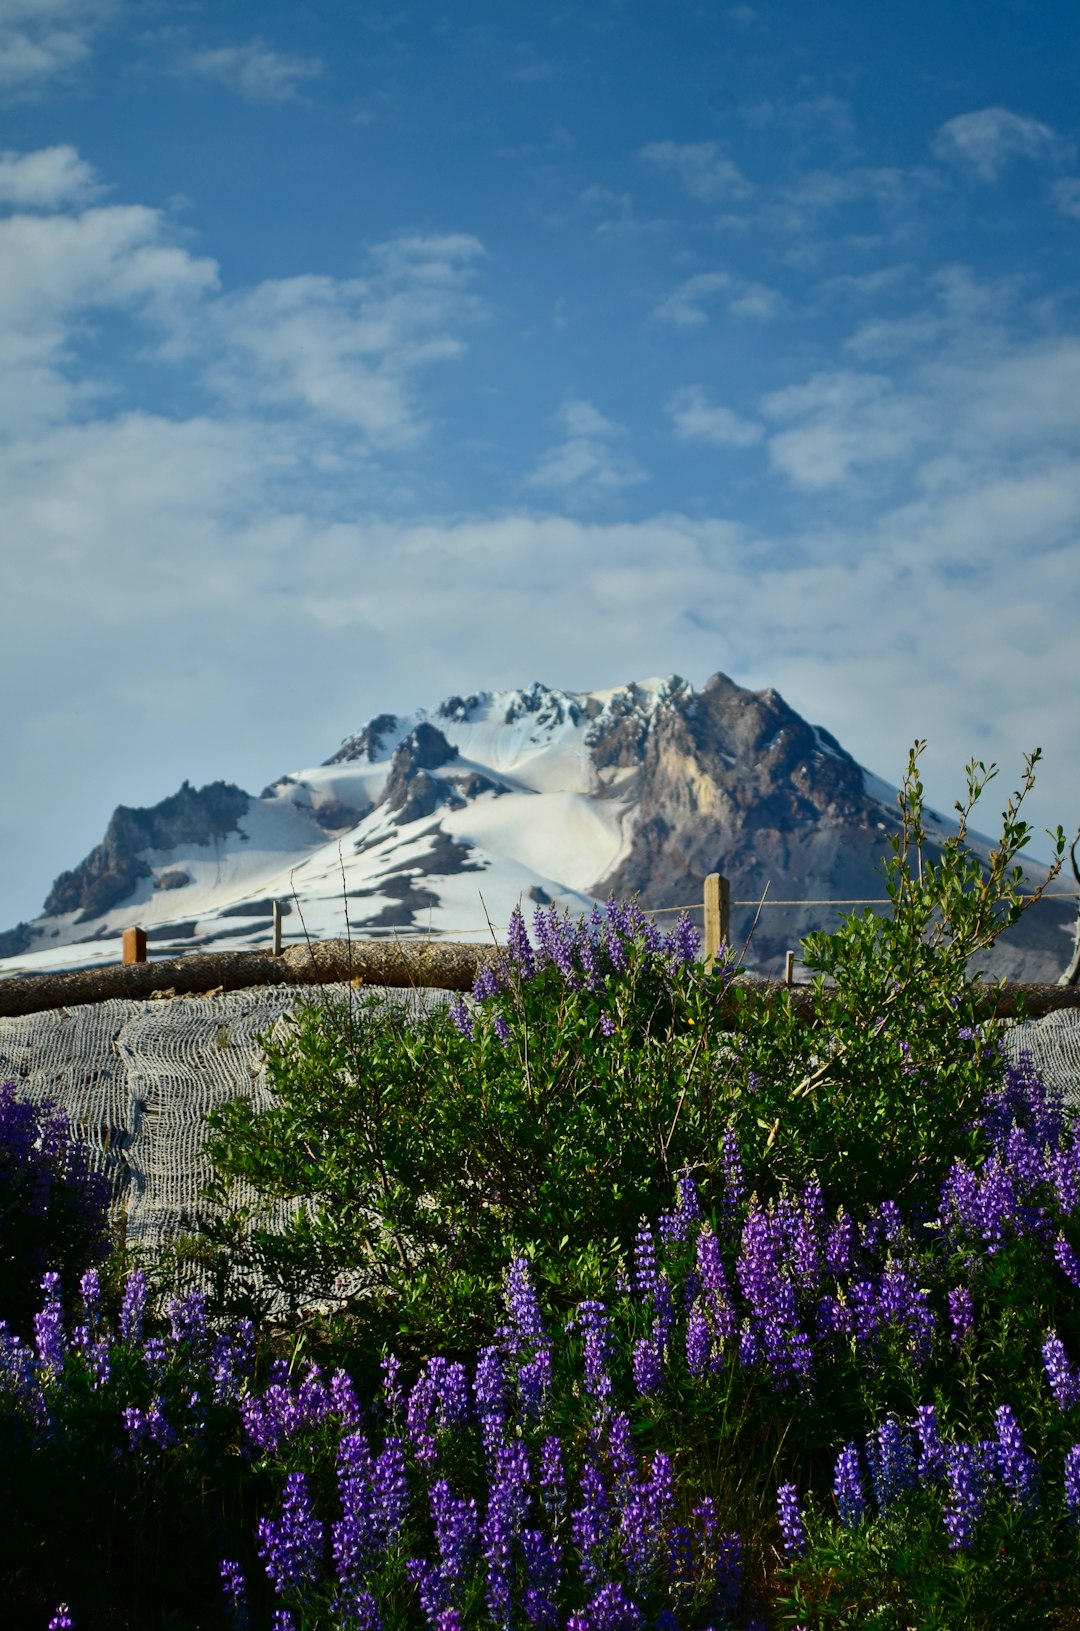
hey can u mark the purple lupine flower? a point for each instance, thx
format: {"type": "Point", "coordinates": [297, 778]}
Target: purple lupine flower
{"type": "Point", "coordinates": [848, 1487]}
{"type": "Point", "coordinates": [501, 1029]}
{"type": "Point", "coordinates": [644, 1511]}
{"type": "Point", "coordinates": [486, 984]}
{"type": "Point", "coordinates": [891, 1459]}
{"type": "Point", "coordinates": [552, 1477]}
{"type": "Point", "coordinates": [734, 1177]}
{"type": "Point", "coordinates": [840, 1245]}
{"type": "Point", "coordinates": [683, 944]}
{"type": "Point", "coordinates": [648, 1366]}
{"type": "Point", "coordinates": [232, 1359]}
{"type": "Point", "coordinates": [393, 1392]}
{"type": "Point", "coordinates": [621, 1451]}
{"type": "Point", "coordinates": [149, 1426]}
{"type": "Point", "coordinates": [49, 1337]}
{"type": "Point", "coordinates": [290, 1547]}
{"type": "Point", "coordinates": [612, 1610]}
{"type": "Point", "coordinates": [235, 1589]}
{"type": "Point", "coordinates": [698, 1342]}
{"type": "Point", "coordinates": [389, 1490]}
{"type": "Point", "coordinates": [608, 1026]}
{"type": "Point", "coordinates": [519, 945]}
{"type": "Point", "coordinates": [489, 1386]}
{"type": "Point", "coordinates": [61, 1620]}
{"type": "Point", "coordinates": [791, 1523]}
{"type": "Point", "coordinates": [1017, 1467]}
{"type": "Point", "coordinates": [534, 1382]}
{"type": "Point", "coordinates": [1072, 1483]}
{"type": "Point", "coordinates": [931, 1465]}
{"type": "Point", "coordinates": [593, 1320]}
{"type": "Point", "coordinates": [681, 1572]}
{"type": "Point", "coordinates": [187, 1320]}
{"type": "Point", "coordinates": [715, 1286]}
{"type": "Point", "coordinates": [1064, 1381]}
{"type": "Point", "coordinates": [729, 1572]}
{"type": "Point", "coordinates": [961, 1313]}
{"type": "Point", "coordinates": [522, 1306]}
{"type": "Point", "coordinates": [590, 1523]}
{"type": "Point", "coordinates": [1067, 1260]}
{"type": "Point", "coordinates": [133, 1307]}
{"type": "Point", "coordinates": [282, 1620]}
{"type": "Point", "coordinates": [965, 1470]}
{"type": "Point", "coordinates": [507, 1510]}
{"type": "Point", "coordinates": [543, 1575]}
{"type": "Point", "coordinates": [457, 1531]}
{"type": "Point", "coordinates": [863, 1303]}
{"type": "Point", "coordinates": [343, 1400]}
{"type": "Point", "coordinates": [431, 1589]}
{"type": "Point", "coordinates": [353, 1534]}
{"type": "Point", "coordinates": [462, 1019]}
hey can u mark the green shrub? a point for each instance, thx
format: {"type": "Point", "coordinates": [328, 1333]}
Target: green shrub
{"type": "Point", "coordinates": [875, 1087]}
{"type": "Point", "coordinates": [424, 1153]}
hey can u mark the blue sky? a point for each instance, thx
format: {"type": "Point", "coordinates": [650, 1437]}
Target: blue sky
{"type": "Point", "coordinates": [352, 356]}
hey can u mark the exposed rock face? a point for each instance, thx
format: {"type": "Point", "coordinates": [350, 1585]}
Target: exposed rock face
{"type": "Point", "coordinates": [410, 790]}
{"type": "Point", "coordinates": [734, 781]}
{"type": "Point", "coordinates": [110, 872]}
{"type": "Point", "coordinates": [13, 942]}
{"type": "Point", "coordinates": [367, 743]}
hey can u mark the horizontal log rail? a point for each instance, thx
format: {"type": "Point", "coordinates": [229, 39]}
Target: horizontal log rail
{"type": "Point", "coordinates": [441, 964]}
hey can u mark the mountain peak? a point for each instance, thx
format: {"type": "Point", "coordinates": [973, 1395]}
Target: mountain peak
{"type": "Point", "coordinates": [443, 820]}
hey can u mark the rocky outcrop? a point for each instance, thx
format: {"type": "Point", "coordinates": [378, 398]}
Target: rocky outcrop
{"type": "Point", "coordinates": [110, 872]}
{"type": "Point", "coordinates": [367, 744]}
{"type": "Point", "coordinates": [735, 781]}
{"type": "Point", "coordinates": [411, 792]}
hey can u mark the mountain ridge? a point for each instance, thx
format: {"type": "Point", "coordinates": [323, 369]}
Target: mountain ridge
{"type": "Point", "coordinates": [440, 821]}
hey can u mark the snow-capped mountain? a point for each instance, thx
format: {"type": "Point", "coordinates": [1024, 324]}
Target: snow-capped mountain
{"type": "Point", "coordinates": [440, 822]}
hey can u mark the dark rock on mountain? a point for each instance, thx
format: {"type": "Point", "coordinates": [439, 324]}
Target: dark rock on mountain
{"type": "Point", "coordinates": [411, 792]}
{"type": "Point", "coordinates": [175, 878]}
{"type": "Point", "coordinates": [13, 942]}
{"type": "Point", "coordinates": [110, 872]}
{"type": "Point", "coordinates": [367, 743]}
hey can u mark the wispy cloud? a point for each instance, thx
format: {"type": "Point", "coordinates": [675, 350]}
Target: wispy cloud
{"type": "Point", "coordinates": [346, 351]}
{"type": "Point", "coordinates": [1066, 193]}
{"type": "Point", "coordinates": [47, 179]}
{"type": "Point", "coordinates": [586, 464]}
{"type": "Point", "coordinates": [343, 352]}
{"type": "Point", "coordinates": [840, 422]}
{"type": "Point", "coordinates": [45, 40]}
{"type": "Point", "coordinates": [704, 171]}
{"type": "Point", "coordinates": [685, 306]}
{"type": "Point", "coordinates": [985, 141]}
{"type": "Point", "coordinates": [252, 70]}
{"type": "Point", "coordinates": [697, 420]}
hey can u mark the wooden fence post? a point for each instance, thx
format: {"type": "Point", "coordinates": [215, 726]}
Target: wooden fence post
{"type": "Point", "coordinates": [134, 946]}
{"type": "Point", "coordinates": [717, 931]}
{"type": "Point", "coordinates": [275, 922]}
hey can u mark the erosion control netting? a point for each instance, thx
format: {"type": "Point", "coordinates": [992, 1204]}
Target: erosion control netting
{"type": "Point", "coordinates": [137, 1078]}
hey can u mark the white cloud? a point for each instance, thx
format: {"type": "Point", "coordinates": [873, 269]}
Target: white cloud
{"type": "Point", "coordinates": [697, 420]}
{"type": "Point", "coordinates": [842, 422]}
{"type": "Point", "coordinates": [706, 173]}
{"type": "Point", "coordinates": [42, 40]}
{"type": "Point", "coordinates": [684, 306]}
{"type": "Point", "coordinates": [987, 140]}
{"type": "Point", "coordinates": [47, 179]}
{"type": "Point", "coordinates": [584, 464]}
{"type": "Point", "coordinates": [253, 70]}
{"type": "Point", "coordinates": [59, 271]}
{"type": "Point", "coordinates": [1066, 194]}
{"type": "Point", "coordinates": [346, 350]}
{"type": "Point", "coordinates": [340, 352]}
